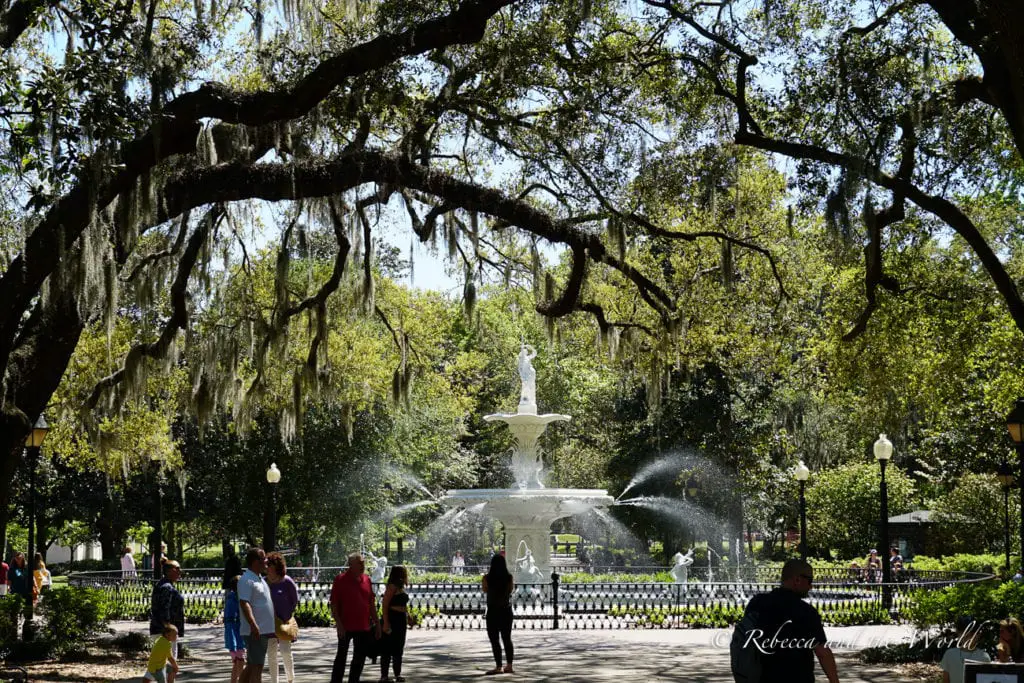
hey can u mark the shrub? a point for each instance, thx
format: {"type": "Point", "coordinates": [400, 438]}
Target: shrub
{"type": "Point", "coordinates": [959, 563]}
{"type": "Point", "coordinates": [11, 606]}
{"type": "Point", "coordinates": [309, 615]}
{"type": "Point", "coordinates": [904, 653]}
{"type": "Point", "coordinates": [131, 642]}
{"type": "Point", "coordinates": [986, 601]}
{"type": "Point", "coordinates": [71, 616]}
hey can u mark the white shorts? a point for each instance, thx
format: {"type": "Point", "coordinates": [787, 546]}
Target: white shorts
{"type": "Point", "coordinates": [3, 589]}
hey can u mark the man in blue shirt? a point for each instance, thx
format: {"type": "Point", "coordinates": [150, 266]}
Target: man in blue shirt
{"type": "Point", "coordinates": [257, 625]}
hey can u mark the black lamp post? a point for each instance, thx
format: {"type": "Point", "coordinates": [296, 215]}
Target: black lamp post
{"type": "Point", "coordinates": [387, 518]}
{"type": "Point", "coordinates": [33, 442]}
{"type": "Point", "coordinates": [883, 451]}
{"type": "Point", "coordinates": [802, 474]}
{"type": "Point", "coordinates": [1005, 476]}
{"type": "Point", "coordinates": [273, 479]}
{"type": "Point", "coordinates": [1015, 423]}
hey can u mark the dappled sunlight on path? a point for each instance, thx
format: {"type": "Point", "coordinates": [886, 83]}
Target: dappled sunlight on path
{"type": "Point", "coordinates": [700, 656]}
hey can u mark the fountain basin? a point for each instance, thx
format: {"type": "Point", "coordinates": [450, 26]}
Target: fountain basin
{"type": "Point", "coordinates": [527, 514]}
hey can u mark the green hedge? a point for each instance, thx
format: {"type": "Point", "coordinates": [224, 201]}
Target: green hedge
{"type": "Point", "coordinates": [73, 615]}
{"type": "Point", "coordinates": [11, 606]}
{"type": "Point", "coordinates": [986, 601]}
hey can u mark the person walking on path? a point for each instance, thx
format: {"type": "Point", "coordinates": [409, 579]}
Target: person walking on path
{"type": "Point", "coordinates": [21, 585]}
{"type": "Point", "coordinates": [498, 585]}
{"type": "Point", "coordinates": [285, 596]}
{"type": "Point", "coordinates": [395, 611]}
{"type": "Point", "coordinates": [127, 563]}
{"type": "Point", "coordinates": [160, 655]}
{"type": "Point", "coordinates": [167, 605]}
{"type": "Point", "coordinates": [355, 614]}
{"type": "Point", "coordinates": [257, 624]}
{"type": "Point", "coordinates": [964, 650]}
{"type": "Point", "coordinates": [788, 630]}
{"type": "Point", "coordinates": [4, 567]}
{"type": "Point", "coordinates": [233, 642]}
{"type": "Point", "coordinates": [41, 575]}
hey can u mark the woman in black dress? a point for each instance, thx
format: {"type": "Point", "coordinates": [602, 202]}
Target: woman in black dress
{"type": "Point", "coordinates": [498, 586]}
{"type": "Point", "coordinates": [395, 611]}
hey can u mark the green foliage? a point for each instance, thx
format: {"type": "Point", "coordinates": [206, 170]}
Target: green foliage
{"type": "Point", "coordinates": [73, 615]}
{"type": "Point", "coordinates": [987, 601]}
{"type": "Point", "coordinates": [919, 650]}
{"type": "Point", "coordinates": [969, 518]}
{"type": "Point", "coordinates": [309, 614]}
{"type": "Point", "coordinates": [11, 606]}
{"type": "Point", "coordinates": [843, 506]}
{"type": "Point", "coordinates": [965, 562]}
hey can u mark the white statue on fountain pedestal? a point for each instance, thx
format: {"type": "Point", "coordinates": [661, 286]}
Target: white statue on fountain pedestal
{"type": "Point", "coordinates": [528, 376]}
{"type": "Point", "coordinates": [681, 566]}
{"type": "Point", "coordinates": [527, 571]}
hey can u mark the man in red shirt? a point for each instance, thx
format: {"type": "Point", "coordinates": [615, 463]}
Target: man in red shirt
{"type": "Point", "coordinates": [3, 577]}
{"type": "Point", "coordinates": [354, 608]}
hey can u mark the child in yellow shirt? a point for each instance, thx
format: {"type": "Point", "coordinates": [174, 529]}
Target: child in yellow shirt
{"type": "Point", "coordinates": [161, 654]}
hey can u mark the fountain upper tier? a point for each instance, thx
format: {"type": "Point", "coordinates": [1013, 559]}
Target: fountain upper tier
{"type": "Point", "coordinates": [527, 463]}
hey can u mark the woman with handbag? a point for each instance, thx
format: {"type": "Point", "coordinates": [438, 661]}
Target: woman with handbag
{"type": "Point", "coordinates": [285, 596]}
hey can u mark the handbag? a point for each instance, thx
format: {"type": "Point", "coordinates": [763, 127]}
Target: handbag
{"type": "Point", "coordinates": [286, 630]}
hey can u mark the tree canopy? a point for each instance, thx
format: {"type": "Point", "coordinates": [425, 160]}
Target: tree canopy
{"type": "Point", "coordinates": [198, 202]}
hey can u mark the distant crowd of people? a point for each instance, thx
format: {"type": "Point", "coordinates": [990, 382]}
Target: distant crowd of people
{"type": "Point", "coordinates": [259, 619]}
{"type": "Point", "coordinates": [15, 578]}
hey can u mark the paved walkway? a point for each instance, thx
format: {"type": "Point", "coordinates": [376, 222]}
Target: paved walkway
{"type": "Point", "coordinates": [697, 656]}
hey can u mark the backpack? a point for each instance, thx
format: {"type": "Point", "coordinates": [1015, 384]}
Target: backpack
{"type": "Point", "coordinates": [744, 656]}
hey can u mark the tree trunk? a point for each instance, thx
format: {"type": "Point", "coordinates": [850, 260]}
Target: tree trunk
{"type": "Point", "coordinates": [42, 533]}
{"type": "Point", "coordinates": [8, 466]}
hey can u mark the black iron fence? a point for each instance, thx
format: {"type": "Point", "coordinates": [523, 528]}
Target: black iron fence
{"type": "Point", "coordinates": [716, 601]}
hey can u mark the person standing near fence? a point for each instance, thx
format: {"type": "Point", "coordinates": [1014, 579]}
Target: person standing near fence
{"type": "Point", "coordinates": [285, 596]}
{"type": "Point", "coordinates": [168, 606]}
{"type": "Point", "coordinates": [395, 612]}
{"type": "Point", "coordinates": [354, 609]}
{"type": "Point", "coordinates": [127, 563]}
{"type": "Point", "coordinates": [257, 615]}
{"type": "Point", "coordinates": [498, 585]}
{"type": "Point", "coordinates": [233, 642]}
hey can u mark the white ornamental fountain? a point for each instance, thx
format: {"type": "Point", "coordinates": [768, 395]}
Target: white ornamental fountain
{"type": "Point", "coordinates": [528, 510]}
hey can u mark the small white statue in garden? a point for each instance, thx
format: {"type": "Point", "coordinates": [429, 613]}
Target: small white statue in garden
{"type": "Point", "coordinates": [681, 566]}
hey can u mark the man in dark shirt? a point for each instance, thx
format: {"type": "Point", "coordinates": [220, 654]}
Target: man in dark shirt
{"type": "Point", "coordinates": [168, 605]}
{"type": "Point", "coordinates": [788, 630]}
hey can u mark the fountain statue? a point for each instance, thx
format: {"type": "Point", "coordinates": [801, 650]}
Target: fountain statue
{"type": "Point", "coordinates": [528, 509]}
{"type": "Point", "coordinates": [527, 571]}
{"type": "Point", "coordinates": [681, 566]}
{"type": "Point", "coordinates": [528, 377]}
{"type": "Point", "coordinates": [380, 567]}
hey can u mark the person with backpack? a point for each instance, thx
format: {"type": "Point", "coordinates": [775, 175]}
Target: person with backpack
{"type": "Point", "coordinates": [774, 641]}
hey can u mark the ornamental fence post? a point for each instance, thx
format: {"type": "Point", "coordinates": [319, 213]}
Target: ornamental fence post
{"type": "Point", "coordinates": [554, 598]}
